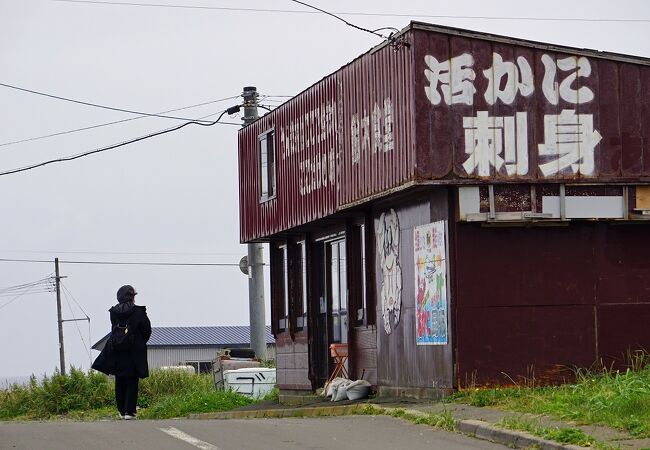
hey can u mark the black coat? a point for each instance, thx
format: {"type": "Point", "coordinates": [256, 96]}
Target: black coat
{"type": "Point", "coordinates": [132, 362]}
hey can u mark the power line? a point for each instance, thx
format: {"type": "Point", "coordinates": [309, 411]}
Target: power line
{"type": "Point", "coordinates": [29, 292]}
{"type": "Point", "coordinates": [121, 144]}
{"type": "Point", "coordinates": [55, 252]}
{"type": "Point", "coordinates": [60, 133]}
{"type": "Point", "coordinates": [341, 19]}
{"type": "Point", "coordinates": [121, 263]}
{"type": "Point", "coordinates": [86, 346]}
{"type": "Point", "coordinates": [95, 105]}
{"type": "Point", "coordinates": [33, 287]}
{"type": "Point", "coordinates": [19, 287]}
{"type": "Point", "coordinates": [368, 14]}
{"type": "Point", "coordinates": [75, 300]}
{"type": "Point", "coordinates": [12, 300]}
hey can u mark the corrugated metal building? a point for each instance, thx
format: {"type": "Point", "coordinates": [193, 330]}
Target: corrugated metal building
{"type": "Point", "coordinates": [460, 208]}
{"type": "Point", "coordinates": [197, 346]}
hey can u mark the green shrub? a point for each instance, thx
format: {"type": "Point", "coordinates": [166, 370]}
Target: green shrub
{"type": "Point", "coordinates": [91, 395]}
{"type": "Point", "coordinates": [56, 395]}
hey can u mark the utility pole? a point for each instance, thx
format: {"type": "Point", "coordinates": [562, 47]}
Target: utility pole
{"type": "Point", "coordinates": [59, 315]}
{"type": "Point", "coordinates": [255, 255]}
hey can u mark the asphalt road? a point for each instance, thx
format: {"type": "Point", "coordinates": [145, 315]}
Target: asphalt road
{"type": "Point", "coordinates": [335, 433]}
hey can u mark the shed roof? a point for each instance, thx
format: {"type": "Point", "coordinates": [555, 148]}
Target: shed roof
{"type": "Point", "coordinates": [219, 336]}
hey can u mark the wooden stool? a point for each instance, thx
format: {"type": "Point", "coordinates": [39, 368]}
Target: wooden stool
{"type": "Point", "coordinates": [340, 354]}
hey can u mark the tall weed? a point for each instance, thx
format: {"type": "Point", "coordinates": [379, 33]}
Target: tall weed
{"type": "Point", "coordinates": [620, 399]}
{"type": "Point", "coordinates": [79, 394]}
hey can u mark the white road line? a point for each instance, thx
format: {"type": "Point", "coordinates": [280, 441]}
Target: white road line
{"type": "Point", "coordinates": [178, 434]}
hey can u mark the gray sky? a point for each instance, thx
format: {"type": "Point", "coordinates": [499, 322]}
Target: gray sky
{"type": "Point", "coordinates": [177, 194]}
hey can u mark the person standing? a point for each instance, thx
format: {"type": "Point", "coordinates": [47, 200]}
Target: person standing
{"type": "Point", "coordinates": [125, 355]}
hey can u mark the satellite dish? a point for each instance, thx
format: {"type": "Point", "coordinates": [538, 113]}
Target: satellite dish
{"type": "Point", "coordinates": [243, 264]}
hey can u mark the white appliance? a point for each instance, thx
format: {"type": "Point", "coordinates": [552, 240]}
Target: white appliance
{"type": "Point", "coordinates": [255, 382]}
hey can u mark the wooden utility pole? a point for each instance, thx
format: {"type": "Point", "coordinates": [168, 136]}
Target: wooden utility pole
{"type": "Point", "coordinates": [59, 316]}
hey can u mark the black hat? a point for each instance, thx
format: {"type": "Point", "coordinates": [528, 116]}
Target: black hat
{"type": "Point", "coordinates": [126, 293]}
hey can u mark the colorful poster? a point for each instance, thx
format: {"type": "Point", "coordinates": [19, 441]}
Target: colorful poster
{"type": "Point", "coordinates": [429, 243]}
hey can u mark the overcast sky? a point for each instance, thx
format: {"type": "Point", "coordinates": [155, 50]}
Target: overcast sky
{"type": "Point", "coordinates": [174, 198]}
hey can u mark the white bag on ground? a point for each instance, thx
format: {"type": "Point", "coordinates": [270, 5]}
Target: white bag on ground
{"type": "Point", "coordinates": [357, 389]}
{"type": "Point", "coordinates": [341, 392]}
{"type": "Point", "coordinates": [334, 384]}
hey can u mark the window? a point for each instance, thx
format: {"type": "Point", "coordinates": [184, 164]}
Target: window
{"type": "Point", "coordinates": [362, 312]}
{"type": "Point", "coordinates": [200, 366]}
{"type": "Point", "coordinates": [301, 310]}
{"type": "Point", "coordinates": [284, 310]}
{"type": "Point", "coordinates": [338, 290]}
{"type": "Point", "coordinates": [267, 165]}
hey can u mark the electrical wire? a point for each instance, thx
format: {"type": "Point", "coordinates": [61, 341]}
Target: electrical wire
{"type": "Point", "coordinates": [11, 301]}
{"type": "Point", "coordinates": [75, 300]}
{"type": "Point", "coordinates": [119, 253]}
{"type": "Point", "coordinates": [87, 317]}
{"type": "Point", "coordinates": [19, 290]}
{"type": "Point", "coordinates": [60, 133]}
{"type": "Point", "coordinates": [96, 105]}
{"type": "Point", "coordinates": [23, 286]}
{"type": "Point", "coordinates": [86, 346]}
{"type": "Point", "coordinates": [113, 146]}
{"type": "Point", "coordinates": [28, 292]}
{"type": "Point", "coordinates": [362, 14]}
{"type": "Point", "coordinates": [122, 263]}
{"type": "Point", "coordinates": [350, 24]}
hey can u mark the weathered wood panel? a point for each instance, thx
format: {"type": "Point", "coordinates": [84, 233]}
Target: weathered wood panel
{"type": "Point", "coordinates": [292, 361]}
{"type": "Point", "coordinates": [401, 364]}
{"type": "Point", "coordinates": [364, 356]}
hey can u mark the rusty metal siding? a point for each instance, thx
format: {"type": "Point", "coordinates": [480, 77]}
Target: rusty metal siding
{"type": "Point", "coordinates": [305, 152]}
{"type": "Point", "coordinates": [329, 161]}
{"type": "Point", "coordinates": [619, 109]}
{"type": "Point", "coordinates": [558, 297]}
{"type": "Point", "coordinates": [316, 171]}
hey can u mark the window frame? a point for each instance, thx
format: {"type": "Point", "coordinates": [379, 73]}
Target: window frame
{"type": "Point", "coordinates": [283, 316]}
{"type": "Point", "coordinates": [301, 319]}
{"type": "Point", "coordinates": [200, 364]}
{"type": "Point", "coordinates": [271, 173]}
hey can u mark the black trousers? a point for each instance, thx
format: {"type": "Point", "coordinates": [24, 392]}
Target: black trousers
{"type": "Point", "coordinates": [126, 394]}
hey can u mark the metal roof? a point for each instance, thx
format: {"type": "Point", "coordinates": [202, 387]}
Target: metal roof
{"type": "Point", "coordinates": [221, 336]}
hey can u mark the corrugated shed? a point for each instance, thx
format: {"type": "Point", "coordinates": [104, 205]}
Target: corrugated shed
{"type": "Point", "coordinates": [223, 335]}
{"type": "Point", "coordinates": [197, 336]}
{"type": "Point", "coordinates": [171, 356]}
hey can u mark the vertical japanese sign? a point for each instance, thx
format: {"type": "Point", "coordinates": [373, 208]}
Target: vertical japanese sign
{"type": "Point", "coordinates": [429, 244]}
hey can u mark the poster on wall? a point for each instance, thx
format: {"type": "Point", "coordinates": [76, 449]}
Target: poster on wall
{"type": "Point", "coordinates": [429, 244]}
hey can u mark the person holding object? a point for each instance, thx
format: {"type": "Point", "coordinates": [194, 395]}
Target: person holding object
{"type": "Point", "coordinates": [125, 352]}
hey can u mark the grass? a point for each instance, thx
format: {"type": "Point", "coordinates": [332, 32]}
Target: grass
{"type": "Point", "coordinates": [619, 399]}
{"type": "Point", "coordinates": [572, 436]}
{"type": "Point", "coordinates": [90, 396]}
{"type": "Point", "coordinates": [442, 420]}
